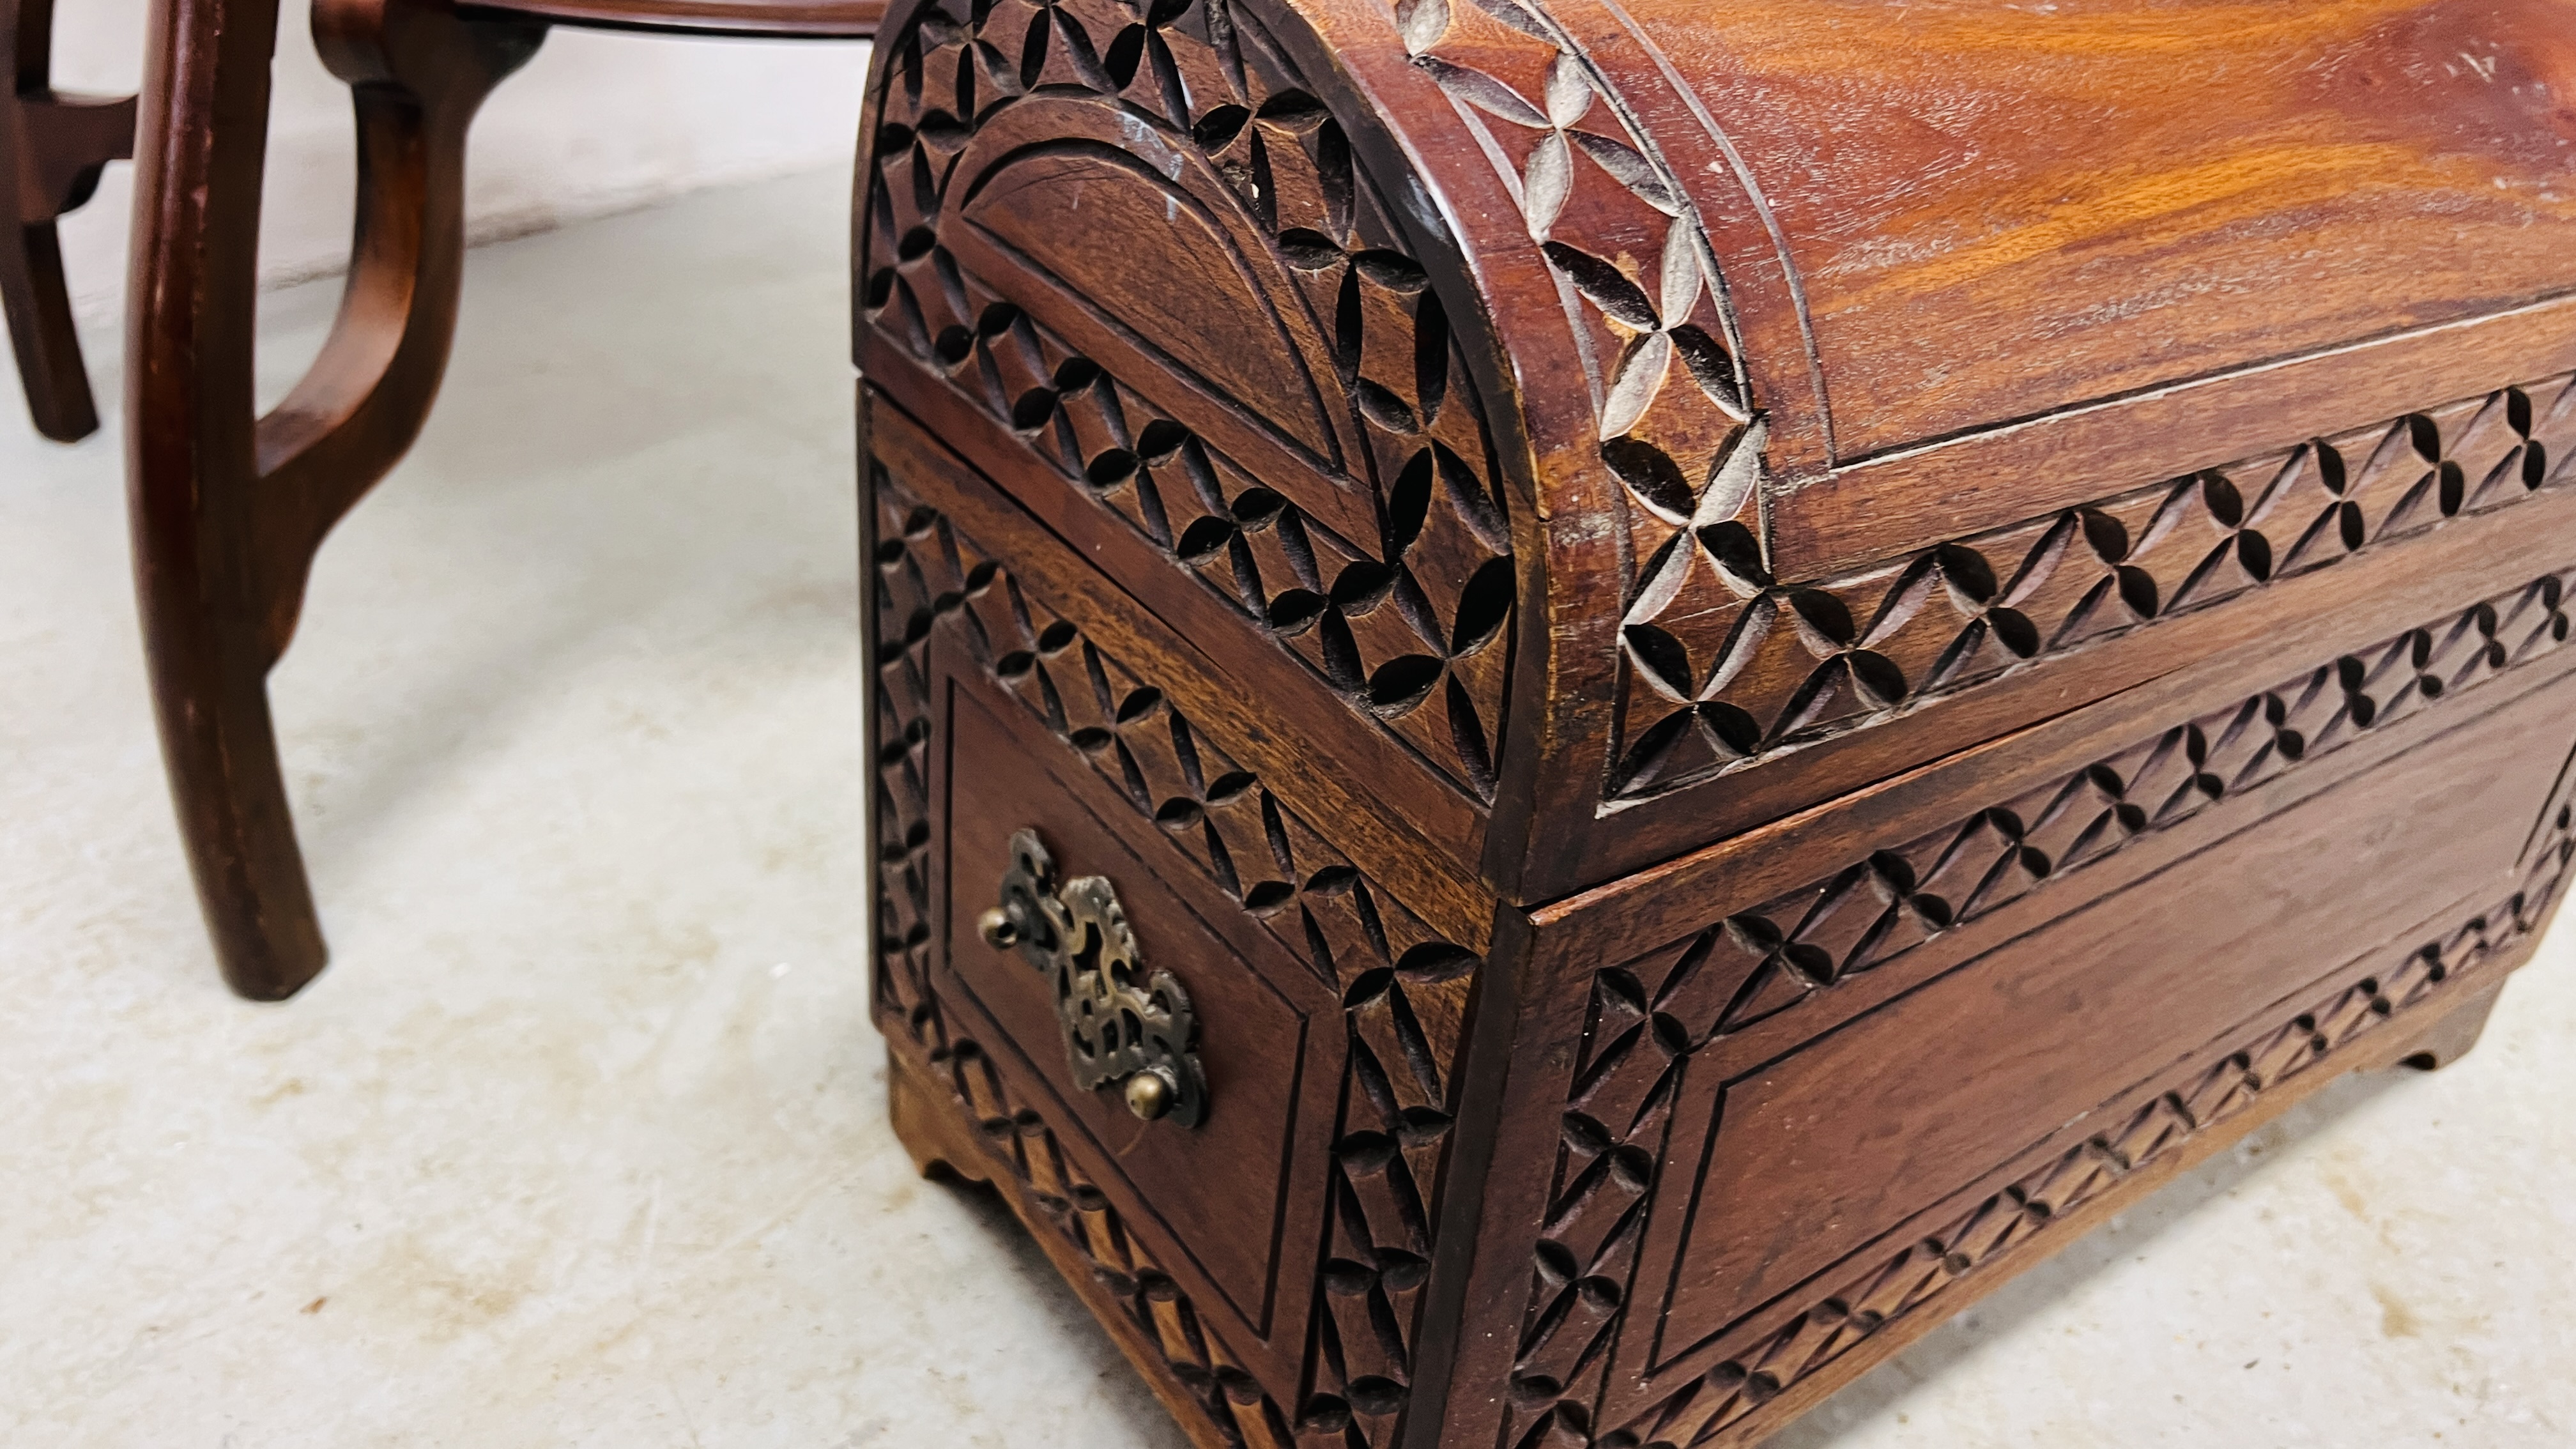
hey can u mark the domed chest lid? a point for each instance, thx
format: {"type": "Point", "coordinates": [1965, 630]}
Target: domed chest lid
{"type": "Point", "coordinates": [2042, 324]}
{"type": "Point", "coordinates": [1664, 398]}
{"type": "Point", "coordinates": [1934, 221]}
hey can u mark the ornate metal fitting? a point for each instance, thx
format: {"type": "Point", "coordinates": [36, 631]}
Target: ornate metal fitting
{"type": "Point", "coordinates": [1120, 1024]}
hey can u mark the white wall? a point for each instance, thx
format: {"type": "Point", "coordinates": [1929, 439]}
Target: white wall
{"type": "Point", "coordinates": [598, 122]}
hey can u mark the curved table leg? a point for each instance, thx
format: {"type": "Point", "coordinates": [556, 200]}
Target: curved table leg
{"type": "Point", "coordinates": [52, 147]}
{"type": "Point", "coordinates": [227, 510]}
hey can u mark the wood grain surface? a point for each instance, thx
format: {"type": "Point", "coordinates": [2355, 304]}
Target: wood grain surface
{"type": "Point", "coordinates": [1997, 211]}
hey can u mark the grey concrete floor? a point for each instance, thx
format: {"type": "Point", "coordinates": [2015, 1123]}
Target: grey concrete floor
{"type": "Point", "coordinates": [581, 1140]}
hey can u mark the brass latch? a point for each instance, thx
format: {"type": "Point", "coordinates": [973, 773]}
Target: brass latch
{"type": "Point", "coordinates": [1120, 1025]}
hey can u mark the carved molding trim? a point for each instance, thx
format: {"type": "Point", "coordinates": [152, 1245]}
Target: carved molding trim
{"type": "Point", "coordinates": [1404, 989]}
{"type": "Point", "coordinates": [1021, 1142]}
{"type": "Point", "coordinates": [1388, 570]}
{"type": "Point", "coordinates": [1651, 1013]}
{"type": "Point", "coordinates": [1874, 910]}
{"type": "Point", "coordinates": [1721, 668]}
{"type": "Point", "coordinates": [1673, 410]}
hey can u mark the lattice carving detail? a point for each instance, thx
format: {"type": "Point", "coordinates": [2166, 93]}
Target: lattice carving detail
{"type": "Point", "coordinates": [1648, 310]}
{"type": "Point", "coordinates": [1875, 910]}
{"type": "Point", "coordinates": [1019, 1140]}
{"type": "Point", "coordinates": [1726, 670]}
{"type": "Point", "coordinates": [1650, 1014]}
{"type": "Point", "coordinates": [1404, 989]}
{"type": "Point", "coordinates": [1387, 570]}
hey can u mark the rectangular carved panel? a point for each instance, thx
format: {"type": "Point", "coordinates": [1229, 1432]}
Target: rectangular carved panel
{"type": "Point", "coordinates": [1222, 1191]}
{"type": "Point", "coordinates": [944, 607]}
{"type": "Point", "coordinates": [2378, 790]}
{"type": "Point", "coordinates": [1835, 1144]}
{"type": "Point", "coordinates": [1980, 1239]}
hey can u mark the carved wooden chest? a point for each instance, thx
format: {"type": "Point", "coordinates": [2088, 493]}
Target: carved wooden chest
{"type": "Point", "coordinates": [1582, 711]}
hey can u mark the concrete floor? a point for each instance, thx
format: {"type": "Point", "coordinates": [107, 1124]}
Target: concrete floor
{"type": "Point", "coordinates": [581, 1139]}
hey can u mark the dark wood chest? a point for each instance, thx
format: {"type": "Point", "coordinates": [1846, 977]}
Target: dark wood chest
{"type": "Point", "coordinates": [1583, 711]}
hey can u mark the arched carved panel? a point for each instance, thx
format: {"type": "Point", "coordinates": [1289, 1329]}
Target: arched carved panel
{"type": "Point", "coordinates": [1265, 385]}
{"type": "Point", "coordinates": [1168, 262]}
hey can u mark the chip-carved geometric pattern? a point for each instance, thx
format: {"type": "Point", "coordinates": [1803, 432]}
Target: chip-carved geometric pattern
{"type": "Point", "coordinates": [1718, 679]}
{"type": "Point", "coordinates": [1019, 1140]}
{"type": "Point", "coordinates": [1649, 1015]}
{"type": "Point", "coordinates": [1404, 988]}
{"type": "Point", "coordinates": [1675, 417]}
{"type": "Point", "coordinates": [1876, 909]}
{"type": "Point", "coordinates": [1400, 603]}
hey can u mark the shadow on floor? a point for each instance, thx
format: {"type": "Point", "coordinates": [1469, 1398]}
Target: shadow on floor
{"type": "Point", "coordinates": [1012, 1243]}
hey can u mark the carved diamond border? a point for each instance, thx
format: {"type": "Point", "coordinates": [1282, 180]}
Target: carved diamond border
{"type": "Point", "coordinates": [1724, 674]}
